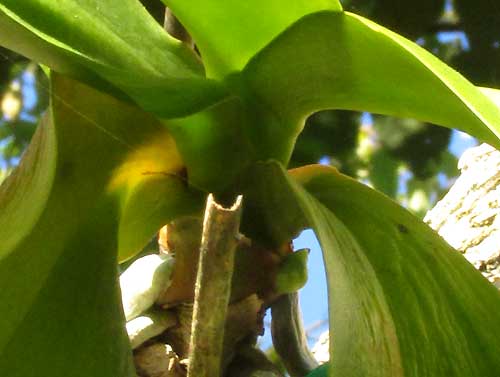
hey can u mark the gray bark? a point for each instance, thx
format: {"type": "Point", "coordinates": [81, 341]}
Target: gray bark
{"type": "Point", "coordinates": [467, 217]}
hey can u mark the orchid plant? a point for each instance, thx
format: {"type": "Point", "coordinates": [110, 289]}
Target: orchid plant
{"type": "Point", "coordinates": [142, 126]}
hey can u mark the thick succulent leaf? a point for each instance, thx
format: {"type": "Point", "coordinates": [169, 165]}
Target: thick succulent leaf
{"type": "Point", "coordinates": [229, 33]}
{"type": "Point", "coordinates": [335, 60]}
{"type": "Point", "coordinates": [151, 204]}
{"type": "Point", "coordinates": [213, 144]}
{"type": "Point", "coordinates": [32, 179]}
{"type": "Point", "coordinates": [114, 41]}
{"type": "Point", "coordinates": [83, 176]}
{"type": "Point", "coordinates": [402, 301]}
{"type": "Point", "coordinates": [272, 215]}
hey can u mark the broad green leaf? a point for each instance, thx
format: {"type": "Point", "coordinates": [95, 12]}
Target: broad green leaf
{"type": "Point", "coordinates": [272, 215]}
{"type": "Point", "coordinates": [150, 205]}
{"type": "Point", "coordinates": [333, 60]}
{"type": "Point", "coordinates": [115, 41]}
{"type": "Point", "coordinates": [402, 301]}
{"type": "Point", "coordinates": [213, 144]}
{"type": "Point", "coordinates": [229, 33]}
{"type": "Point", "coordinates": [92, 161]}
{"type": "Point", "coordinates": [32, 179]}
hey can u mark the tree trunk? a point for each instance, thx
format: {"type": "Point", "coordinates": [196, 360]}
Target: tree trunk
{"type": "Point", "coordinates": [467, 216]}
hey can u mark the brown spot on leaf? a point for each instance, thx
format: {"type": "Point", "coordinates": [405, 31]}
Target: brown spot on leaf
{"type": "Point", "coordinates": [403, 229]}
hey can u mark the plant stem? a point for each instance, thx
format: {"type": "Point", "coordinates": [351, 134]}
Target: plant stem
{"type": "Point", "coordinates": [213, 285]}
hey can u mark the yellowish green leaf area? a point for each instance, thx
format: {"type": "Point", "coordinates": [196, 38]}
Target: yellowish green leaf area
{"type": "Point", "coordinates": [114, 45]}
{"type": "Point", "coordinates": [402, 301]}
{"type": "Point", "coordinates": [98, 180]}
{"type": "Point", "coordinates": [214, 144]}
{"type": "Point", "coordinates": [228, 33]}
{"type": "Point", "coordinates": [338, 60]}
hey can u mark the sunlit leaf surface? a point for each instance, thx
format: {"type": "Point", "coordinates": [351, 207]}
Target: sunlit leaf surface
{"type": "Point", "coordinates": [333, 60]}
{"type": "Point", "coordinates": [228, 33]}
{"type": "Point", "coordinates": [76, 206]}
{"type": "Point", "coordinates": [110, 42]}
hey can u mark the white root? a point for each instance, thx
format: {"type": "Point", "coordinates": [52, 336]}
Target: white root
{"type": "Point", "coordinates": [147, 326]}
{"type": "Point", "coordinates": [142, 283]}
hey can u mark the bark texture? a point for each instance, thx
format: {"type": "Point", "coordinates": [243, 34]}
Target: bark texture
{"type": "Point", "coordinates": [213, 288]}
{"type": "Point", "coordinates": [468, 216]}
